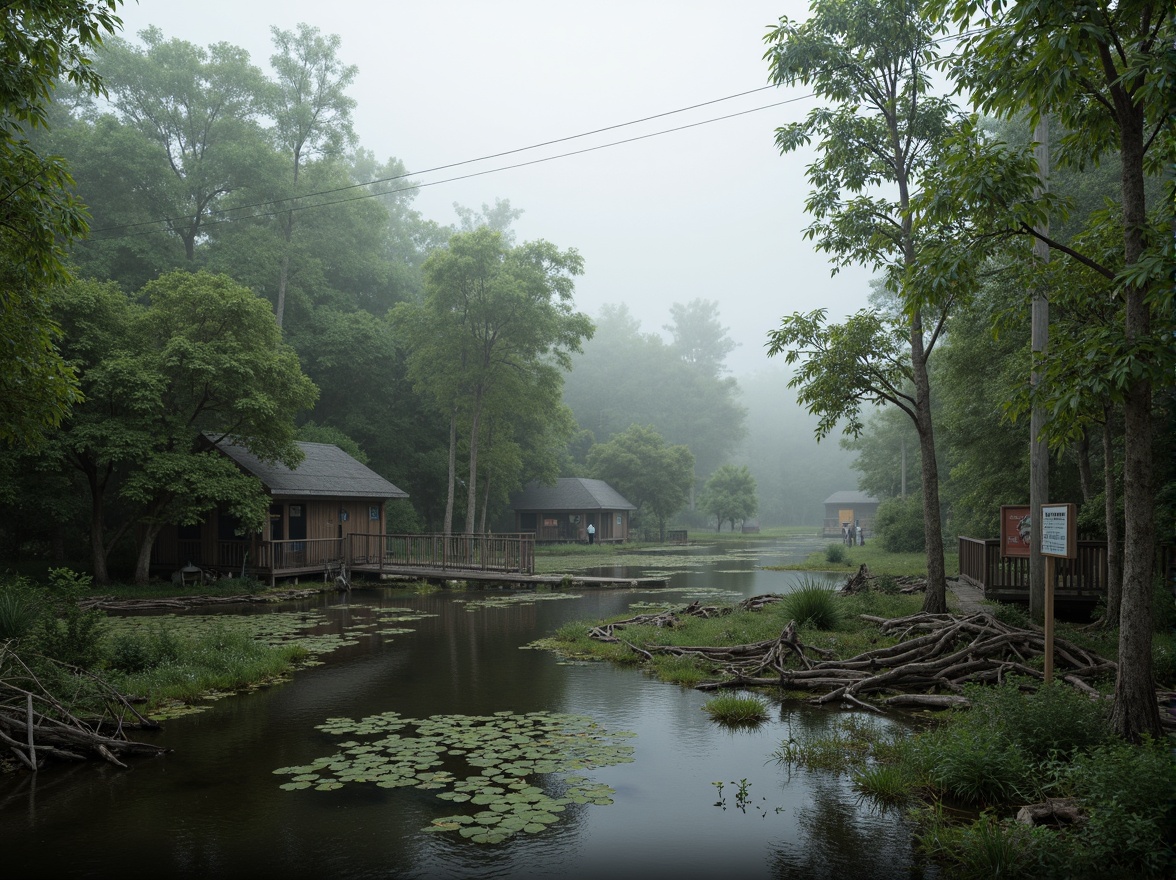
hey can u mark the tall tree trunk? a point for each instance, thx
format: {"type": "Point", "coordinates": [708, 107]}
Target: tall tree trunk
{"type": "Point", "coordinates": [452, 472]}
{"type": "Point", "coordinates": [1114, 563]}
{"type": "Point", "coordinates": [143, 563]}
{"type": "Point", "coordinates": [283, 274]}
{"type": "Point", "coordinates": [1085, 474]}
{"type": "Point", "coordinates": [97, 486]}
{"type": "Point", "coordinates": [485, 506]}
{"type": "Point", "coordinates": [1136, 712]}
{"type": "Point", "coordinates": [935, 600]}
{"type": "Point", "coordinates": [472, 485]}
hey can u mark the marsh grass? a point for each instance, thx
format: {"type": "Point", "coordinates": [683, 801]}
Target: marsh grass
{"type": "Point", "coordinates": [166, 667]}
{"type": "Point", "coordinates": [737, 710]}
{"type": "Point", "coordinates": [20, 607]}
{"type": "Point", "coordinates": [887, 784]}
{"type": "Point", "coordinates": [685, 671]}
{"type": "Point", "coordinates": [813, 605]}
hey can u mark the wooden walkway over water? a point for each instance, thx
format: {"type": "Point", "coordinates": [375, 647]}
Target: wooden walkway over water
{"type": "Point", "coordinates": [502, 559]}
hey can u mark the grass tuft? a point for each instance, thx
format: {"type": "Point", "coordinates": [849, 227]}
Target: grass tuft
{"type": "Point", "coordinates": [734, 709]}
{"type": "Point", "coordinates": [813, 605]}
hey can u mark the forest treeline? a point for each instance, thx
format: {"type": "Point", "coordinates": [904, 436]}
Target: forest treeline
{"type": "Point", "coordinates": [451, 357]}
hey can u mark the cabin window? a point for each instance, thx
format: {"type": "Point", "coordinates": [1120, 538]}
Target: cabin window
{"type": "Point", "coordinates": [189, 533]}
{"type": "Point", "coordinates": [374, 512]}
{"type": "Point", "coordinates": [618, 519]}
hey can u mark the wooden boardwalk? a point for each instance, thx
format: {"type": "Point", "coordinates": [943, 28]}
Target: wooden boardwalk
{"type": "Point", "coordinates": [506, 578]}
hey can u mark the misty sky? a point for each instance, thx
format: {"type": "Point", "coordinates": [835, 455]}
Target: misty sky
{"type": "Point", "coordinates": [712, 211]}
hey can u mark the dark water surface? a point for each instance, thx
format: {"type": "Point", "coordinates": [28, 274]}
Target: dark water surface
{"type": "Point", "coordinates": [213, 807]}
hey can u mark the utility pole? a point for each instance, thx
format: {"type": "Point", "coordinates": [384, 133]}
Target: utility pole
{"type": "Point", "coordinates": [1038, 451]}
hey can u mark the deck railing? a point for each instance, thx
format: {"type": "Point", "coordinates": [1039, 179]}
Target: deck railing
{"type": "Point", "coordinates": [490, 552]}
{"type": "Point", "coordinates": [1083, 576]}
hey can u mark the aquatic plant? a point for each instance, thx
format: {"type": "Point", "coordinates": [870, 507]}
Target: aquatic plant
{"type": "Point", "coordinates": [734, 709]}
{"type": "Point", "coordinates": [501, 753]}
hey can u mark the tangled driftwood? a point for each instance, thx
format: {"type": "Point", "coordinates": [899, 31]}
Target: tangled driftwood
{"type": "Point", "coordinates": [35, 724]}
{"type": "Point", "coordinates": [936, 655]}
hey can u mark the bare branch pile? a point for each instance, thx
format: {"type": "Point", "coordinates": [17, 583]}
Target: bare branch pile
{"type": "Point", "coordinates": [937, 654]}
{"type": "Point", "coordinates": [35, 724]}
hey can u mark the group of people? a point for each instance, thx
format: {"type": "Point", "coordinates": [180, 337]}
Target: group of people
{"type": "Point", "coordinates": [851, 534]}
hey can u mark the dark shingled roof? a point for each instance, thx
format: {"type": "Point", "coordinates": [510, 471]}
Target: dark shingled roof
{"type": "Point", "coordinates": [571, 493]}
{"type": "Point", "coordinates": [326, 472]}
{"type": "Point", "coordinates": [851, 498]}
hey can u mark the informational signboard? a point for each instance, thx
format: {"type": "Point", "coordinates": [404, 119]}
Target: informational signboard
{"type": "Point", "coordinates": [1059, 531]}
{"type": "Point", "coordinates": [1015, 530]}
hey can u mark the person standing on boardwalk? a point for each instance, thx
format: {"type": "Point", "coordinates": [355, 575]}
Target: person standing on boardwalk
{"type": "Point", "coordinates": [591, 533]}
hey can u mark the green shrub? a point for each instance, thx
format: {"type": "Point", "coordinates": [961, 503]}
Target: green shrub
{"type": "Point", "coordinates": [1054, 719]}
{"type": "Point", "coordinates": [1013, 615]}
{"type": "Point", "coordinates": [67, 633]}
{"type": "Point", "coordinates": [835, 553]}
{"type": "Point", "coordinates": [899, 525]}
{"type": "Point", "coordinates": [976, 765]}
{"type": "Point", "coordinates": [20, 606]}
{"type": "Point", "coordinates": [813, 605]}
{"type": "Point", "coordinates": [734, 709]}
{"type": "Point", "coordinates": [1127, 791]}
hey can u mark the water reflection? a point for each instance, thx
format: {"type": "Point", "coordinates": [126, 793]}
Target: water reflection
{"type": "Point", "coordinates": [213, 806]}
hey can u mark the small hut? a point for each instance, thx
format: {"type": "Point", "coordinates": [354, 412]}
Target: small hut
{"type": "Point", "coordinates": [314, 507]}
{"type": "Point", "coordinates": [563, 512]}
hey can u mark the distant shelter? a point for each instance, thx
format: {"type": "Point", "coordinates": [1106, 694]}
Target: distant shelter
{"type": "Point", "coordinates": [564, 511]}
{"type": "Point", "coordinates": [852, 509]}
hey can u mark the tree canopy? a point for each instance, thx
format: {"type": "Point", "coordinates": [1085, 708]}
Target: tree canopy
{"type": "Point", "coordinates": [41, 44]}
{"type": "Point", "coordinates": [653, 475]}
{"type": "Point", "coordinates": [730, 495]}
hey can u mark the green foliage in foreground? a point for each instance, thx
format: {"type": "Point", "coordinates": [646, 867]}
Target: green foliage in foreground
{"type": "Point", "coordinates": [63, 645]}
{"type": "Point", "coordinates": [1015, 747]}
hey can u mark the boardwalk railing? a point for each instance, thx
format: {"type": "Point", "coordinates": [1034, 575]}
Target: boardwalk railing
{"type": "Point", "coordinates": [513, 553]}
{"type": "Point", "coordinates": [1084, 577]}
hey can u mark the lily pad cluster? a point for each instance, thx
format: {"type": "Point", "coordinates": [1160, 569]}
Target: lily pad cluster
{"type": "Point", "coordinates": [511, 600]}
{"type": "Point", "coordinates": [489, 763]}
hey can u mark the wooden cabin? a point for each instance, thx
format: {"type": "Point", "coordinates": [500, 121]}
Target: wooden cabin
{"type": "Point", "coordinates": [563, 512]}
{"type": "Point", "coordinates": [313, 508]}
{"type": "Point", "coordinates": [854, 508]}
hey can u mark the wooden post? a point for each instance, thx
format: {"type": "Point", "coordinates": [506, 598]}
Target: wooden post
{"type": "Point", "coordinates": [1050, 563]}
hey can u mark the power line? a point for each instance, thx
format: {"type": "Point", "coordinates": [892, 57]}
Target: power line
{"type": "Point", "coordinates": [222, 213]}
{"type": "Point", "coordinates": [239, 208]}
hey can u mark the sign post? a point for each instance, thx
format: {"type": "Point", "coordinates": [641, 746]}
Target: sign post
{"type": "Point", "coordinates": [1059, 524]}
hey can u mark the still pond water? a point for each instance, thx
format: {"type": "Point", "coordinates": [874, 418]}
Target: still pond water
{"type": "Point", "coordinates": [214, 807]}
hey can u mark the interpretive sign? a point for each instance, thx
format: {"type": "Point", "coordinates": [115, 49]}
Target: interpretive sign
{"type": "Point", "coordinates": [1059, 531]}
{"type": "Point", "coordinates": [1015, 530]}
